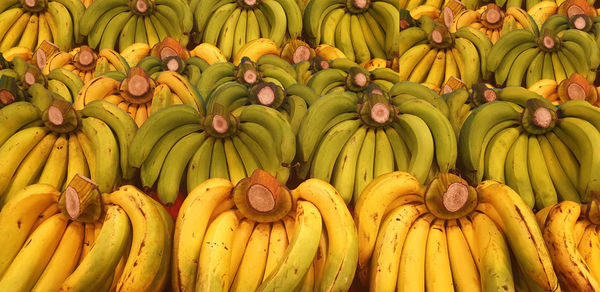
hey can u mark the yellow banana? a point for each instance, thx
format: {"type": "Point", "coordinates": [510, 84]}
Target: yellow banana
{"type": "Point", "coordinates": [438, 273]}
{"type": "Point", "coordinates": [411, 274]}
{"type": "Point", "coordinates": [251, 270]}
{"type": "Point", "coordinates": [55, 170]}
{"type": "Point", "coordinates": [278, 243]}
{"type": "Point", "coordinates": [464, 270]}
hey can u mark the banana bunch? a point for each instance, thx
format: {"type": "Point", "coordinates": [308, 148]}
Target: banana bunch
{"type": "Point", "coordinates": [522, 57]}
{"type": "Point", "coordinates": [166, 48]}
{"type": "Point", "coordinates": [230, 24]}
{"type": "Point", "coordinates": [494, 22]}
{"type": "Point", "coordinates": [432, 54]}
{"type": "Point", "coordinates": [139, 94]}
{"type": "Point", "coordinates": [190, 68]}
{"type": "Point", "coordinates": [51, 145]}
{"type": "Point", "coordinates": [449, 235]}
{"type": "Point", "coordinates": [257, 235]}
{"type": "Point", "coordinates": [28, 23]}
{"type": "Point", "coordinates": [267, 68]}
{"type": "Point", "coordinates": [362, 30]}
{"type": "Point", "coordinates": [571, 234]}
{"type": "Point", "coordinates": [344, 75]}
{"type": "Point", "coordinates": [10, 91]}
{"type": "Point", "coordinates": [546, 154]}
{"type": "Point", "coordinates": [349, 147]}
{"type": "Point", "coordinates": [25, 73]}
{"type": "Point", "coordinates": [462, 102]}
{"type": "Point", "coordinates": [583, 22]}
{"type": "Point", "coordinates": [222, 144]}
{"type": "Point", "coordinates": [119, 24]}
{"type": "Point", "coordinates": [292, 102]}
{"type": "Point", "coordinates": [576, 87]}
{"type": "Point", "coordinates": [71, 241]}
{"type": "Point", "coordinates": [296, 51]}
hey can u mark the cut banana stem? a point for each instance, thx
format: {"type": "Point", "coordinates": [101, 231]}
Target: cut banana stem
{"type": "Point", "coordinates": [138, 85]}
{"type": "Point", "coordinates": [141, 6]}
{"type": "Point", "coordinates": [492, 14]}
{"type": "Point", "coordinates": [455, 197]}
{"type": "Point", "coordinates": [380, 113]}
{"type": "Point", "coordinates": [172, 64]}
{"type": "Point", "coordinates": [450, 197]}
{"type": "Point", "coordinates": [219, 124]}
{"type": "Point", "coordinates": [81, 200]}
{"type": "Point", "coordinates": [437, 37]}
{"type": "Point", "coordinates": [85, 57]}
{"type": "Point", "coordinates": [263, 192]}
{"type": "Point", "coordinates": [302, 53]}
{"type": "Point", "coordinates": [266, 96]}
{"type": "Point", "coordinates": [250, 76]}
{"type": "Point", "coordinates": [542, 117]}
{"type": "Point", "coordinates": [549, 42]}
{"type": "Point", "coordinates": [576, 92]}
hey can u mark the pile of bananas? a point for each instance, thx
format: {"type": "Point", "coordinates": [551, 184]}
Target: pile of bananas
{"type": "Point", "coordinates": [350, 141]}
{"type": "Point", "coordinates": [361, 29]}
{"type": "Point", "coordinates": [231, 24]}
{"type": "Point", "coordinates": [544, 153]}
{"type": "Point", "coordinates": [431, 54]}
{"type": "Point", "coordinates": [50, 142]}
{"type": "Point", "coordinates": [524, 57]}
{"type": "Point", "coordinates": [119, 24]}
{"type": "Point", "coordinates": [71, 241]}
{"type": "Point", "coordinates": [449, 236]}
{"type": "Point", "coordinates": [571, 233]}
{"type": "Point", "coordinates": [27, 23]}
{"type": "Point", "coordinates": [257, 235]}
{"type": "Point", "coordinates": [221, 144]}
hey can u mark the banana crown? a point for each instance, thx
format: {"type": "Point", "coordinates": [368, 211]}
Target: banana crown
{"type": "Point", "coordinates": [81, 200]}
{"type": "Point", "coordinates": [450, 197]}
{"type": "Point", "coordinates": [61, 117]}
{"type": "Point", "coordinates": [537, 118]}
{"type": "Point", "coordinates": [220, 122]}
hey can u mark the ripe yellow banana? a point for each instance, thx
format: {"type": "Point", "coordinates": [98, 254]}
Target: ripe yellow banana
{"type": "Point", "coordinates": [251, 270]}
{"type": "Point", "coordinates": [411, 274]}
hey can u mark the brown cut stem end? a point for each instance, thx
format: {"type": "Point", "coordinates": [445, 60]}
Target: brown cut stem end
{"type": "Point", "coordinates": [73, 205]}
{"type": "Point", "coordinates": [360, 79]}
{"type": "Point", "coordinates": [262, 194]}
{"type": "Point", "coordinates": [437, 37]}
{"type": "Point", "coordinates": [549, 42]}
{"type": "Point", "coordinates": [173, 65]}
{"type": "Point", "coordinates": [576, 92]}
{"type": "Point", "coordinates": [141, 6]}
{"type": "Point", "coordinates": [360, 4]}
{"type": "Point", "coordinates": [266, 96]}
{"type": "Point", "coordinates": [138, 85]}
{"type": "Point", "coordinates": [490, 95]}
{"type": "Point", "coordinates": [542, 117]}
{"type": "Point", "coordinates": [380, 113]}
{"type": "Point", "coordinates": [302, 53]}
{"type": "Point", "coordinates": [55, 115]}
{"type": "Point", "coordinates": [219, 124]}
{"type": "Point", "coordinates": [6, 97]}
{"type": "Point", "coordinates": [250, 76]}
{"type": "Point", "coordinates": [455, 197]}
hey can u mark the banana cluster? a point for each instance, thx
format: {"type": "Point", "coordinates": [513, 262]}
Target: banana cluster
{"type": "Point", "coordinates": [349, 147]}
{"type": "Point", "coordinates": [341, 74]}
{"type": "Point", "coordinates": [362, 30]}
{"type": "Point", "coordinates": [494, 22]}
{"type": "Point", "coordinates": [576, 87]}
{"type": "Point", "coordinates": [431, 54]}
{"type": "Point", "coordinates": [119, 24]}
{"type": "Point", "coordinates": [448, 235]}
{"type": "Point", "coordinates": [229, 25]}
{"type": "Point", "coordinates": [28, 23]}
{"type": "Point", "coordinates": [544, 153]}
{"type": "Point", "coordinates": [571, 234]}
{"type": "Point", "coordinates": [589, 23]}
{"type": "Point", "coordinates": [71, 242]}
{"type": "Point", "coordinates": [259, 236]}
{"type": "Point", "coordinates": [139, 94]}
{"type": "Point", "coordinates": [50, 142]}
{"type": "Point", "coordinates": [522, 57]}
{"type": "Point", "coordinates": [222, 144]}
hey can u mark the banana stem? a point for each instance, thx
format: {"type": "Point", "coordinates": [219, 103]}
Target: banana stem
{"type": "Point", "coordinates": [448, 16]}
{"type": "Point", "coordinates": [29, 78]}
{"type": "Point", "coordinates": [437, 37]}
{"type": "Point", "coordinates": [173, 64]}
{"type": "Point", "coordinates": [262, 193]}
{"type": "Point", "coordinates": [492, 14]}
{"type": "Point", "coordinates": [169, 47]}
{"type": "Point", "coordinates": [8, 90]}
{"type": "Point", "coordinates": [45, 50]}
{"type": "Point", "coordinates": [380, 113]}
{"type": "Point", "coordinates": [549, 42]}
{"type": "Point", "coordinates": [579, 23]}
{"type": "Point", "coordinates": [266, 96]}
{"type": "Point", "coordinates": [81, 200]}
{"type": "Point", "coordinates": [574, 10]}
{"type": "Point", "coordinates": [576, 92]}
{"type": "Point", "coordinates": [250, 76]}
{"type": "Point", "coordinates": [360, 79]}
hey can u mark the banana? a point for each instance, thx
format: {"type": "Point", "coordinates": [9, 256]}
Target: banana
{"type": "Point", "coordinates": [29, 37]}
{"type": "Point", "coordinates": [255, 256]}
{"type": "Point", "coordinates": [345, 166]}
{"type": "Point", "coordinates": [11, 38]}
{"type": "Point", "coordinates": [505, 44]}
{"type": "Point", "coordinates": [464, 269]}
{"type": "Point", "coordinates": [63, 261]}
{"type": "Point", "coordinates": [299, 256]}
{"type": "Point", "coordinates": [545, 193]}
{"type": "Point", "coordinates": [215, 254]}
{"type": "Point", "coordinates": [9, 17]}
{"type": "Point", "coordinates": [55, 170]}
{"type": "Point", "coordinates": [218, 163]}
{"type": "Point", "coordinates": [174, 165]}
{"type": "Point", "coordinates": [568, 161]}
{"type": "Point", "coordinates": [342, 254]}
{"type": "Point", "coordinates": [226, 37]}
{"type": "Point", "coordinates": [240, 240]}
{"type": "Point", "coordinates": [275, 14]}
{"type": "Point", "coordinates": [496, 153]}
{"type": "Point", "coordinates": [14, 150]}
{"type": "Point", "coordinates": [192, 221]}
{"type": "Point", "coordinates": [239, 37]}
{"type": "Point", "coordinates": [88, 151]}
{"type": "Point", "coordinates": [235, 164]}
{"type": "Point", "coordinates": [364, 164]}
{"type": "Point", "coordinates": [94, 271]}
{"type": "Point", "coordinates": [385, 260]}
{"type": "Point", "coordinates": [389, 20]}
{"type": "Point", "coordinates": [495, 266]}
{"type": "Point", "coordinates": [330, 147]}
{"type": "Point", "coordinates": [14, 116]}
{"type": "Point", "coordinates": [76, 163]}
{"type": "Point", "coordinates": [106, 152]}
{"type": "Point", "coordinates": [278, 243]}
{"type": "Point", "coordinates": [419, 73]}
{"type": "Point", "coordinates": [523, 234]}
{"type": "Point", "coordinates": [147, 246]}
{"type": "Point", "coordinates": [588, 247]}
{"type": "Point", "coordinates": [19, 216]}
{"type": "Point", "coordinates": [411, 274]}
{"type": "Point", "coordinates": [411, 58]}
{"type": "Point", "coordinates": [420, 142]}
{"type": "Point", "coordinates": [31, 260]}
{"type": "Point", "coordinates": [199, 165]}
{"type": "Point", "coordinates": [559, 235]}
{"type": "Point", "coordinates": [585, 136]}
{"type": "Point", "coordinates": [63, 20]}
